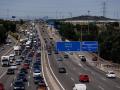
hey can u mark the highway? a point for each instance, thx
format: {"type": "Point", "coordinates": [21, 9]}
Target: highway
{"type": "Point", "coordinates": [58, 81]}
{"type": "Point", "coordinates": [7, 80]}
{"type": "Point", "coordinates": [75, 67]}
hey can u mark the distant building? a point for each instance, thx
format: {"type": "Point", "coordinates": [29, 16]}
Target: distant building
{"type": "Point", "coordinates": [85, 22]}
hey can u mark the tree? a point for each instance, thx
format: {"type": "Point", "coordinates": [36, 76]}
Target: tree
{"type": "Point", "coordinates": [3, 34]}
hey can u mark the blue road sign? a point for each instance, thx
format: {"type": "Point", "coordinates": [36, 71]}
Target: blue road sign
{"type": "Point", "coordinates": [13, 16]}
{"type": "Point", "coordinates": [90, 46]}
{"type": "Point", "coordinates": [68, 46]}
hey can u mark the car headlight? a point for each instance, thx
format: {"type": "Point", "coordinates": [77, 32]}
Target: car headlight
{"type": "Point", "coordinates": [22, 87]}
{"type": "Point", "coordinates": [15, 87]}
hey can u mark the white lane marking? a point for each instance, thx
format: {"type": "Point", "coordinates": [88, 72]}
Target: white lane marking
{"type": "Point", "coordinates": [42, 47]}
{"type": "Point", "coordinates": [101, 87]}
{"type": "Point", "coordinates": [29, 77]}
{"type": "Point", "coordinates": [28, 84]}
{"type": "Point", "coordinates": [54, 74]}
{"type": "Point", "coordinates": [11, 85]}
{"type": "Point", "coordinates": [80, 65]}
{"type": "Point", "coordinates": [72, 79]}
{"type": "Point", "coordinates": [86, 69]}
{"type": "Point", "coordinates": [30, 71]}
{"type": "Point", "coordinates": [118, 86]}
{"type": "Point", "coordinates": [66, 73]}
{"type": "Point", "coordinates": [3, 74]}
{"type": "Point", "coordinates": [74, 68]}
{"type": "Point", "coordinates": [103, 79]}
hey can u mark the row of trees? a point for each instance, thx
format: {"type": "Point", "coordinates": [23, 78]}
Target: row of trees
{"type": "Point", "coordinates": [110, 43]}
{"type": "Point", "coordinates": [108, 37]}
{"type": "Point", "coordinates": [78, 32]}
{"type": "Point", "coordinates": [5, 27]}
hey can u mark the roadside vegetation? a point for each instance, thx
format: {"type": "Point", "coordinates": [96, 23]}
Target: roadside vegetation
{"type": "Point", "coordinates": [8, 26]}
{"type": "Point", "coordinates": [107, 35]}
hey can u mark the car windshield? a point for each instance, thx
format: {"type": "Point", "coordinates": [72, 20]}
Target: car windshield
{"type": "Point", "coordinates": [85, 75]}
{"type": "Point", "coordinates": [10, 69]}
{"type": "Point", "coordinates": [112, 73]}
{"type": "Point", "coordinates": [13, 65]}
{"type": "Point", "coordinates": [38, 78]}
{"type": "Point", "coordinates": [19, 84]}
{"type": "Point", "coordinates": [37, 71]}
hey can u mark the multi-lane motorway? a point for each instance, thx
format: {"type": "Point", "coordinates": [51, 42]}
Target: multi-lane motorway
{"type": "Point", "coordinates": [55, 80]}
{"type": "Point", "coordinates": [75, 67]}
{"type": "Point", "coordinates": [8, 80]}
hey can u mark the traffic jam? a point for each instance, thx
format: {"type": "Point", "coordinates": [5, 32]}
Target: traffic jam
{"type": "Point", "coordinates": [23, 62]}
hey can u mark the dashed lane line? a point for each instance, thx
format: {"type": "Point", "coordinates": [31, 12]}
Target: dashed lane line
{"type": "Point", "coordinates": [101, 87]}
{"type": "Point", "coordinates": [3, 74]}
{"type": "Point", "coordinates": [72, 79]}
{"type": "Point", "coordinates": [28, 84]}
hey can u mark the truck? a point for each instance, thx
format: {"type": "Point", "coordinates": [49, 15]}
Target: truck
{"type": "Point", "coordinates": [5, 61]}
{"type": "Point", "coordinates": [17, 50]}
{"type": "Point", "coordinates": [79, 87]}
{"type": "Point", "coordinates": [11, 58]}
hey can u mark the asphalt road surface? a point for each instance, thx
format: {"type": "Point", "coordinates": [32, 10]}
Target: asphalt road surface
{"type": "Point", "coordinates": [75, 67]}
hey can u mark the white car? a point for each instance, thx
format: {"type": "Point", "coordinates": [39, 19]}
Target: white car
{"type": "Point", "coordinates": [111, 74]}
{"type": "Point", "coordinates": [80, 56]}
{"type": "Point", "coordinates": [13, 66]}
{"type": "Point", "coordinates": [36, 73]}
{"type": "Point", "coordinates": [80, 87]}
{"type": "Point", "coordinates": [19, 60]}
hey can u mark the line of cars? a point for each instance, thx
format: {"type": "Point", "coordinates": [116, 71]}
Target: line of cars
{"type": "Point", "coordinates": [22, 66]}
{"type": "Point", "coordinates": [21, 75]}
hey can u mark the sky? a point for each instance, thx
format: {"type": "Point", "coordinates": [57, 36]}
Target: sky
{"type": "Point", "coordinates": [58, 8]}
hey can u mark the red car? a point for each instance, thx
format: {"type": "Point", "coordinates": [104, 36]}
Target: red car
{"type": "Point", "coordinates": [1, 86]}
{"type": "Point", "coordinates": [84, 78]}
{"type": "Point", "coordinates": [26, 66]}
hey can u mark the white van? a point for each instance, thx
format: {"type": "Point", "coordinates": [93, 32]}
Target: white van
{"type": "Point", "coordinates": [80, 87]}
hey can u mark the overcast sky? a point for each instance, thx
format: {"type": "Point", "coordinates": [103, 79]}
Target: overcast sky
{"type": "Point", "coordinates": [58, 8]}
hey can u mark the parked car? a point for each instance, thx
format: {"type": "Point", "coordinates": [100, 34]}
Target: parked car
{"type": "Point", "coordinates": [84, 78]}
{"type": "Point", "coordinates": [110, 74]}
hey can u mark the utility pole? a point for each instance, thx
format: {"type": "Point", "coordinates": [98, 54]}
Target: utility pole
{"type": "Point", "coordinates": [56, 14]}
{"type": "Point", "coordinates": [60, 14]}
{"type": "Point", "coordinates": [104, 13]}
{"type": "Point", "coordinates": [70, 13]}
{"type": "Point", "coordinates": [7, 11]}
{"type": "Point", "coordinates": [88, 21]}
{"type": "Point", "coordinates": [88, 12]}
{"type": "Point", "coordinates": [104, 9]}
